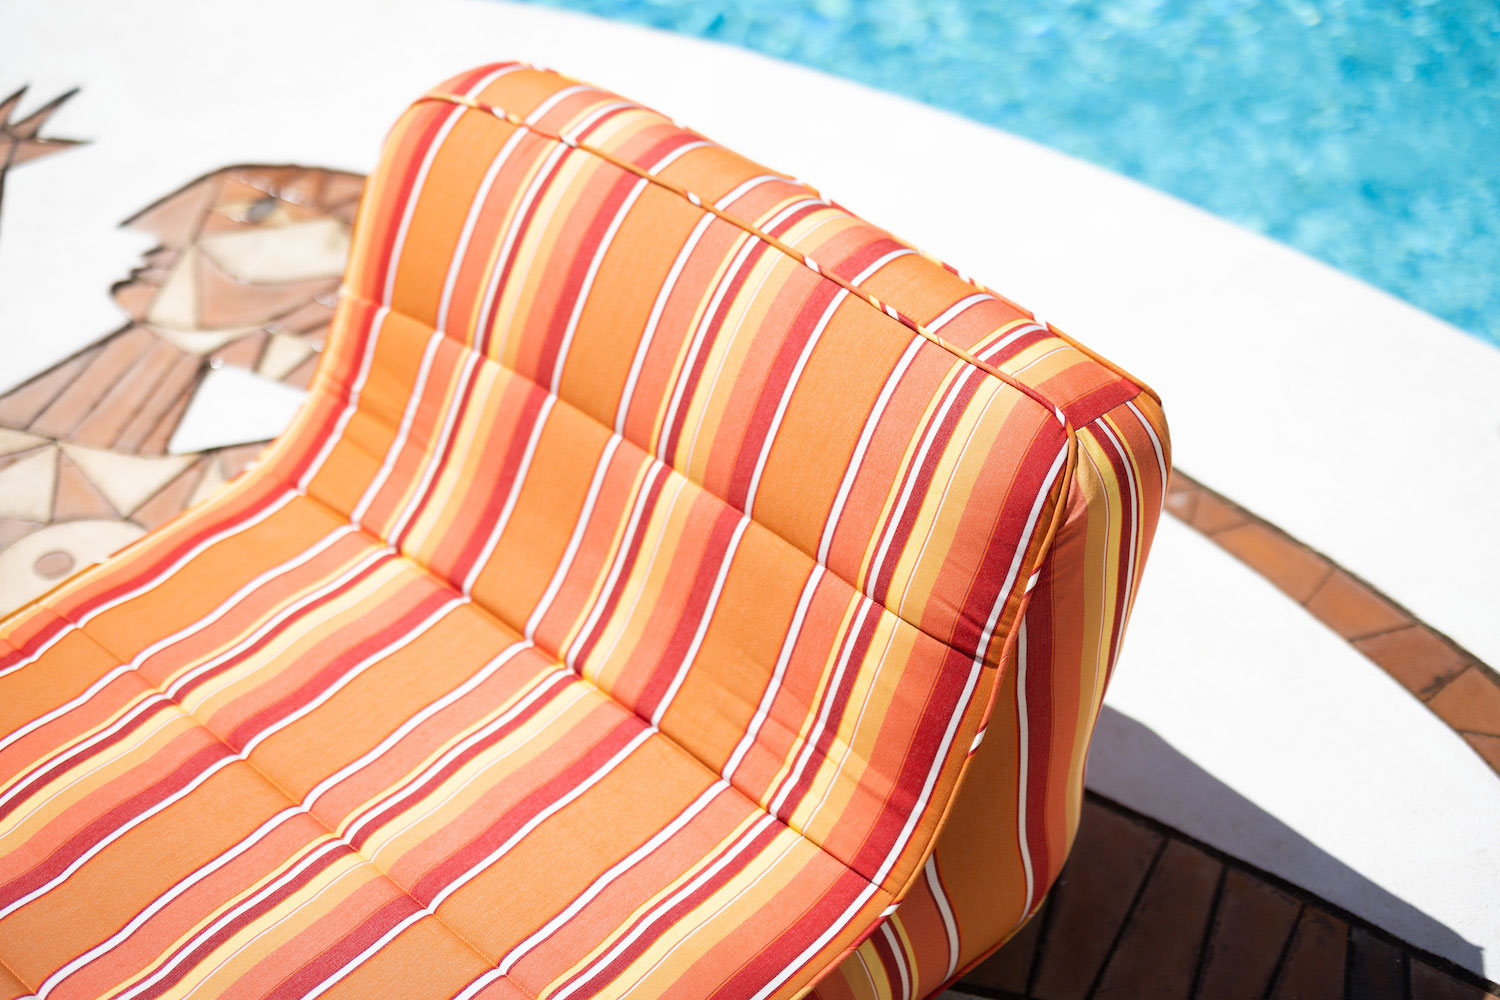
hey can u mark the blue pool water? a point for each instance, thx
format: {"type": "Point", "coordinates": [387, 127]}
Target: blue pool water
{"type": "Point", "coordinates": [1363, 132]}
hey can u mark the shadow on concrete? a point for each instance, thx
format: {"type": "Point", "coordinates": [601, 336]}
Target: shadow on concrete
{"type": "Point", "coordinates": [1131, 764]}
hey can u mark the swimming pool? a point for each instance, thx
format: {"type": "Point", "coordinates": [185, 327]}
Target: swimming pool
{"type": "Point", "coordinates": [1365, 135]}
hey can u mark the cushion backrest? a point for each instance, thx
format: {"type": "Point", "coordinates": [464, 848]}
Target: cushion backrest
{"type": "Point", "coordinates": [766, 475]}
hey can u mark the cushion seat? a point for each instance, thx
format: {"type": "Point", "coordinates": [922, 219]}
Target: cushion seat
{"type": "Point", "coordinates": [363, 741]}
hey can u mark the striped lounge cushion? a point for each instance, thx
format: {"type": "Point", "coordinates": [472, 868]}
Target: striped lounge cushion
{"type": "Point", "coordinates": [660, 546]}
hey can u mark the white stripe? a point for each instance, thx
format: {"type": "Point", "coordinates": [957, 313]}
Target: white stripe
{"type": "Point", "coordinates": [774, 686]}
{"type": "Point", "coordinates": [935, 884]}
{"type": "Point", "coordinates": [1023, 739]}
{"type": "Point", "coordinates": [416, 188]}
{"type": "Point", "coordinates": [482, 561]}
{"type": "Point", "coordinates": [588, 279]}
{"type": "Point", "coordinates": [351, 405]}
{"type": "Point", "coordinates": [580, 526]}
{"type": "Point", "coordinates": [1161, 462]}
{"type": "Point", "coordinates": [481, 675]}
{"type": "Point", "coordinates": [571, 653]}
{"type": "Point", "coordinates": [652, 321]}
{"type": "Point", "coordinates": [228, 916]}
{"type": "Point", "coordinates": [575, 133]}
{"type": "Point", "coordinates": [961, 306]}
{"type": "Point", "coordinates": [603, 882]}
{"type": "Point", "coordinates": [355, 822]}
{"type": "Point", "coordinates": [288, 611]}
{"type": "Point", "coordinates": [703, 620]}
{"type": "Point", "coordinates": [856, 461]}
{"type": "Point", "coordinates": [119, 832]}
{"type": "Point", "coordinates": [670, 158]}
{"type": "Point", "coordinates": [153, 581]}
{"type": "Point", "coordinates": [408, 416]}
{"type": "Point", "coordinates": [541, 817]}
{"type": "Point", "coordinates": [684, 891]}
{"type": "Point", "coordinates": [851, 638]}
{"type": "Point", "coordinates": [1015, 565]}
{"type": "Point", "coordinates": [786, 396]}
{"type": "Point", "coordinates": [900, 955]}
{"type": "Point", "coordinates": [929, 438]}
{"type": "Point", "coordinates": [108, 944]}
{"type": "Point", "coordinates": [363, 956]}
{"type": "Point", "coordinates": [347, 677]}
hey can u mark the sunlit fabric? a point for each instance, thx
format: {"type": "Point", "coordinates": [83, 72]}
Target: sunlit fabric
{"type": "Point", "coordinates": [675, 586]}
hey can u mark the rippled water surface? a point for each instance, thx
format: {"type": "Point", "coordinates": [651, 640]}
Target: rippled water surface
{"type": "Point", "coordinates": [1363, 132]}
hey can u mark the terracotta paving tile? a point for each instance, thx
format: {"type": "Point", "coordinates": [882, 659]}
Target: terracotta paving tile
{"type": "Point", "coordinates": [1314, 964]}
{"type": "Point", "coordinates": [1376, 970]}
{"type": "Point", "coordinates": [1354, 610]}
{"type": "Point", "coordinates": [1009, 968]}
{"type": "Point", "coordinates": [1470, 703]}
{"type": "Point", "coordinates": [75, 497]}
{"type": "Point", "coordinates": [1092, 898]}
{"type": "Point", "coordinates": [22, 405]}
{"type": "Point", "coordinates": [1182, 498]}
{"type": "Point", "coordinates": [1415, 656]}
{"type": "Point", "coordinates": [1212, 514]}
{"type": "Point", "coordinates": [1428, 983]}
{"type": "Point", "coordinates": [105, 369]}
{"type": "Point", "coordinates": [1487, 747]}
{"type": "Point", "coordinates": [1298, 572]}
{"type": "Point", "coordinates": [1157, 956]}
{"type": "Point", "coordinates": [1249, 931]}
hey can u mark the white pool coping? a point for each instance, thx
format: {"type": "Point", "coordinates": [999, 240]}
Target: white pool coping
{"type": "Point", "coordinates": [1365, 427]}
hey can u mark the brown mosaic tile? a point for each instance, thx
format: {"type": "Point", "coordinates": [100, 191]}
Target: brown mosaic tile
{"type": "Point", "coordinates": [304, 319]}
{"type": "Point", "coordinates": [1488, 748]}
{"type": "Point", "coordinates": [53, 565]}
{"type": "Point", "coordinates": [235, 460]}
{"type": "Point", "coordinates": [224, 301]}
{"type": "Point", "coordinates": [173, 498]}
{"type": "Point", "coordinates": [78, 400]}
{"type": "Point", "coordinates": [1416, 657]}
{"type": "Point", "coordinates": [302, 375]}
{"type": "Point", "coordinates": [1377, 970]}
{"type": "Point", "coordinates": [1314, 963]}
{"type": "Point", "coordinates": [75, 497]}
{"type": "Point", "coordinates": [1354, 610]}
{"type": "Point", "coordinates": [1093, 896]}
{"type": "Point", "coordinates": [1470, 703]}
{"type": "Point", "coordinates": [21, 406]}
{"type": "Point", "coordinates": [245, 351]}
{"type": "Point", "coordinates": [135, 298]}
{"type": "Point", "coordinates": [175, 218]}
{"type": "Point", "coordinates": [1182, 497]}
{"type": "Point", "coordinates": [155, 443]}
{"type": "Point", "coordinates": [1157, 956]}
{"type": "Point", "coordinates": [1213, 514]}
{"type": "Point", "coordinates": [175, 384]}
{"type": "Point", "coordinates": [1249, 931]}
{"type": "Point", "coordinates": [108, 419]}
{"type": "Point", "coordinates": [1297, 571]}
{"type": "Point", "coordinates": [1430, 983]}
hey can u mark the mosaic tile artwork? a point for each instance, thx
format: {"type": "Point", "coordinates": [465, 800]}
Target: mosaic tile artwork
{"type": "Point", "coordinates": [244, 277]}
{"type": "Point", "coordinates": [21, 140]}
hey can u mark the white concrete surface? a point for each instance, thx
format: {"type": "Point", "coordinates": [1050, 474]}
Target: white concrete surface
{"type": "Point", "coordinates": [1294, 754]}
{"type": "Point", "coordinates": [234, 405]}
{"type": "Point", "coordinates": [1363, 426]}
